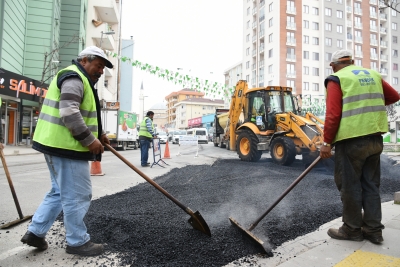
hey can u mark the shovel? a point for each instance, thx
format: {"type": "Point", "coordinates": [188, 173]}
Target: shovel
{"type": "Point", "coordinates": [196, 220]}
{"type": "Point", "coordinates": [247, 232]}
{"type": "Point", "coordinates": [21, 217]}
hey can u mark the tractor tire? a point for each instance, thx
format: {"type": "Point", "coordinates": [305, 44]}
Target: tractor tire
{"type": "Point", "coordinates": [246, 147]}
{"type": "Point", "coordinates": [283, 150]}
{"type": "Point", "coordinates": [124, 146]}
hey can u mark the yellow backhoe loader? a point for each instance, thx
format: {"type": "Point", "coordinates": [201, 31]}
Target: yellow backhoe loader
{"type": "Point", "coordinates": [266, 119]}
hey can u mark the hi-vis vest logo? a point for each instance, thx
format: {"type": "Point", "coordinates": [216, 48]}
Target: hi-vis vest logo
{"type": "Point", "coordinates": [364, 76]}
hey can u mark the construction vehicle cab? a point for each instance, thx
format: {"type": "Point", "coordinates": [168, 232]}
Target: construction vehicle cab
{"type": "Point", "coordinates": [270, 123]}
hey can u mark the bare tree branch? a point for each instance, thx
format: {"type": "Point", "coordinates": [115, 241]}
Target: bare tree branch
{"type": "Point", "coordinates": [392, 4]}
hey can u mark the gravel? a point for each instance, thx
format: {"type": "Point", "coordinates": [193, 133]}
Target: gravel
{"type": "Point", "coordinates": [145, 228]}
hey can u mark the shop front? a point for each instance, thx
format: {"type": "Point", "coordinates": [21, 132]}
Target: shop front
{"type": "Point", "coordinates": [194, 123]}
{"type": "Point", "coordinates": [20, 98]}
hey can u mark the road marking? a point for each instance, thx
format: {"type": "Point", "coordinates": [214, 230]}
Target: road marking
{"type": "Point", "coordinates": [366, 259]}
{"type": "Point", "coordinates": [11, 252]}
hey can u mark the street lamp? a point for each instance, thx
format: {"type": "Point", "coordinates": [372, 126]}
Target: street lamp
{"type": "Point", "coordinates": [106, 33]}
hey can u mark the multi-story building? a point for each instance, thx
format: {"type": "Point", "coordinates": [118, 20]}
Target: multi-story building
{"type": "Point", "coordinates": [103, 29]}
{"type": "Point", "coordinates": [175, 97]}
{"type": "Point", "coordinates": [291, 42]}
{"type": "Point", "coordinates": [160, 115]}
{"type": "Point", "coordinates": [126, 86]}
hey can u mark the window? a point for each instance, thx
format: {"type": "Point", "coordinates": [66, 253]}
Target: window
{"type": "Point", "coordinates": [306, 24]}
{"type": "Point", "coordinates": [270, 39]}
{"type": "Point", "coordinates": [339, 28]}
{"type": "Point", "coordinates": [315, 11]}
{"type": "Point", "coordinates": [315, 41]}
{"type": "Point", "coordinates": [270, 7]}
{"type": "Point", "coordinates": [374, 65]}
{"type": "Point", "coordinates": [306, 55]}
{"type": "Point", "coordinates": [306, 39]}
{"type": "Point", "coordinates": [394, 39]}
{"type": "Point", "coordinates": [395, 80]}
{"type": "Point", "coordinates": [315, 56]}
{"type": "Point", "coordinates": [394, 13]}
{"type": "Point", "coordinates": [328, 26]}
{"type": "Point", "coordinates": [328, 12]}
{"type": "Point", "coordinates": [395, 66]}
{"type": "Point", "coordinates": [306, 70]}
{"type": "Point", "coordinates": [339, 43]}
{"type": "Point", "coordinates": [271, 69]}
{"type": "Point", "coordinates": [395, 53]}
{"type": "Point", "coordinates": [271, 22]}
{"type": "Point", "coordinates": [270, 53]}
{"type": "Point", "coordinates": [247, 51]}
{"type": "Point", "coordinates": [306, 86]}
{"type": "Point", "coordinates": [290, 69]}
{"type": "Point", "coordinates": [247, 37]}
{"type": "Point", "coordinates": [247, 77]}
{"type": "Point", "coordinates": [315, 87]}
{"type": "Point", "coordinates": [328, 41]}
{"type": "Point", "coordinates": [306, 9]}
{"type": "Point", "coordinates": [247, 64]}
{"type": "Point", "coordinates": [357, 62]}
{"type": "Point", "coordinates": [315, 26]}
{"type": "Point", "coordinates": [339, 14]}
{"type": "Point", "coordinates": [248, 11]}
{"type": "Point", "coordinates": [394, 26]}
{"type": "Point", "coordinates": [328, 71]}
{"type": "Point", "coordinates": [328, 56]}
{"type": "Point", "coordinates": [315, 71]}
{"type": "Point", "coordinates": [339, 1]}
{"type": "Point", "coordinates": [248, 24]}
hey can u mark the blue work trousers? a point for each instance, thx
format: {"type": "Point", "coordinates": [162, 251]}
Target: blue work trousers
{"type": "Point", "coordinates": [144, 151]}
{"type": "Point", "coordinates": [71, 192]}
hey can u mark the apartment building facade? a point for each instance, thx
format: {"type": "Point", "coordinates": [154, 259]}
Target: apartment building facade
{"type": "Point", "coordinates": [291, 42]}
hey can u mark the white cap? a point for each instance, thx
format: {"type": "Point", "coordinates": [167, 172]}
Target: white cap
{"type": "Point", "coordinates": [94, 50]}
{"type": "Point", "coordinates": [341, 55]}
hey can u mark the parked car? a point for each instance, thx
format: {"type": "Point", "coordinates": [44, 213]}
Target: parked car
{"type": "Point", "coordinates": [201, 133]}
{"type": "Point", "coordinates": [176, 134]}
{"type": "Point", "coordinates": [163, 137]}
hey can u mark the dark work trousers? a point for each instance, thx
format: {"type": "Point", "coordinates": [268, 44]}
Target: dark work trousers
{"type": "Point", "coordinates": [144, 151]}
{"type": "Point", "coordinates": [357, 176]}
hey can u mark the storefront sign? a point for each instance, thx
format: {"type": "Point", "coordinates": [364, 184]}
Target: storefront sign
{"type": "Point", "coordinates": [15, 85]}
{"type": "Point", "coordinates": [194, 122]}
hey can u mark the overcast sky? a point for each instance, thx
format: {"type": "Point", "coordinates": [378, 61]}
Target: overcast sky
{"type": "Point", "coordinates": [200, 36]}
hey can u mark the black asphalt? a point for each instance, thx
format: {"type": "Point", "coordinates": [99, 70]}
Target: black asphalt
{"type": "Point", "coordinates": [147, 229]}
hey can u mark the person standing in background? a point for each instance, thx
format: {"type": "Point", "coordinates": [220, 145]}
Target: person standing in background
{"type": "Point", "coordinates": [146, 134]}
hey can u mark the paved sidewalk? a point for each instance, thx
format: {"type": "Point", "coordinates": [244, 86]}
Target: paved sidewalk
{"type": "Point", "coordinates": [19, 150]}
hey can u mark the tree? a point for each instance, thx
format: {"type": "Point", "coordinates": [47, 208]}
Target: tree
{"type": "Point", "coordinates": [392, 4]}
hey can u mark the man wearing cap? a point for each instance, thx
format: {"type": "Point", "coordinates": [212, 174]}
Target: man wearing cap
{"type": "Point", "coordinates": [146, 134]}
{"type": "Point", "coordinates": [355, 119]}
{"type": "Point", "coordinates": [69, 134]}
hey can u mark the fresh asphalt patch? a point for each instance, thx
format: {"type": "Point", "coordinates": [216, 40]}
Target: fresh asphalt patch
{"type": "Point", "coordinates": [144, 228]}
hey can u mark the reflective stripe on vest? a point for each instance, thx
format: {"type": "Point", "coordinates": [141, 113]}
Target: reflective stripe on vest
{"type": "Point", "coordinates": [143, 128]}
{"type": "Point", "coordinates": [363, 110]}
{"type": "Point", "coordinates": [50, 129]}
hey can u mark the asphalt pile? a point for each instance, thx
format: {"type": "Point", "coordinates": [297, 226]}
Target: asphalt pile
{"type": "Point", "coordinates": [144, 228]}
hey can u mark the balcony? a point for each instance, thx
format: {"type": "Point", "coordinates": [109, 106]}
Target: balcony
{"type": "Point", "coordinates": [107, 42]}
{"type": "Point", "coordinates": [373, 15]}
{"type": "Point", "coordinates": [291, 25]}
{"type": "Point", "coordinates": [291, 41]}
{"type": "Point", "coordinates": [253, 82]}
{"type": "Point", "coordinates": [383, 72]}
{"type": "Point", "coordinates": [254, 38]}
{"type": "Point", "coordinates": [261, 78]}
{"type": "Point", "coordinates": [373, 42]}
{"type": "Point", "coordinates": [262, 49]}
{"type": "Point", "coordinates": [357, 11]}
{"type": "Point", "coordinates": [374, 56]}
{"type": "Point", "coordinates": [291, 10]}
{"type": "Point", "coordinates": [349, 9]}
{"type": "Point", "coordinates": [373, 2]}
{"type": "Point", "coordinates": [107, 11]}
{"type": "Point", "coordinates": [253, 66]}
{"type": "Point", "coordinates": [373, 28]}
{"type": "Point", "coordinates": [261, 34]}
{"type": "Point", "coordinates": [383, 44]}
{"type": "Point", "coordinates": [174, 100]}
{"type": "Point", "coordinates": [349, 24]}
{"type": "Point", "coordinates": [382, 30]}
{"type": "Point", "coordinates": [262, 3]}
{"type": "Point", "coordinates": [291, 74]}
{"type": "Point", "coordinates": [254, 11]}
{"type": "Point", "coordinates": [291, 58]}
{"type": "Point", "coordinates": [254, 25]}
{"type": "Point", "coordinates": [254, 53]}
{"type": "Point", "coordinates": [358, 39]}
{"type": "Point", "coordinates": [108, 72]}
{"type": "Point", "coordinates": [383, 16]}
{"type": "Point", "coordinates": [261, 63]}
{"type": "Point", "coordinates": [384, 58]}
{"type": "Point", "coordinates": [261, 18]}
{"type": "Point", "coordinates": [359, 54]}
{"type": "Point", "coordinates": [358, 25]}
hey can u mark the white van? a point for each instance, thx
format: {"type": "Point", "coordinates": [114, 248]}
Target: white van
{"type": "Point", "coordinates": [201, 133]}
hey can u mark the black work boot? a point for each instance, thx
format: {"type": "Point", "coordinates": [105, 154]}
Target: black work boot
{"type": "Point", "coordinates": [87, 249]}
{"type": "Point", "coordinates": [33, 240]}
{"type": "Point", "coordinates": [341, 234]}
{"type": "Point", "coordinates": [375, 238]}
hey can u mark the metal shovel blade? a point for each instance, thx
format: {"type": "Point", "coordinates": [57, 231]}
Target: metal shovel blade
{"type": "Point", "coordinates": [198, 223]}
{"type": "Point", "coordinates": [255, 240]}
